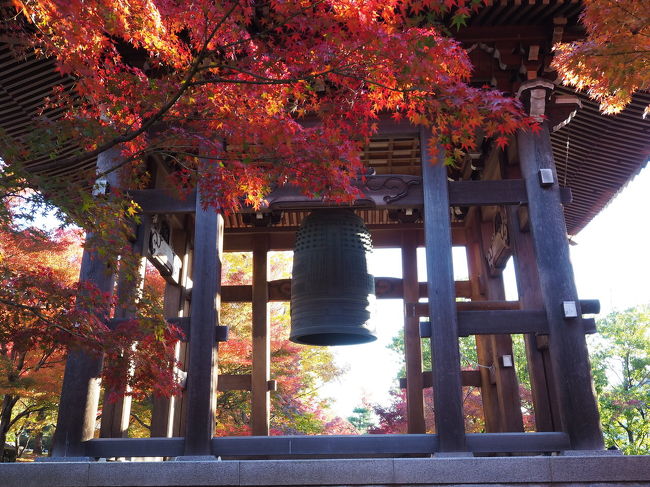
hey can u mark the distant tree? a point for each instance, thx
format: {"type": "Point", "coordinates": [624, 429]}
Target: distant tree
{"type": "Point", "coordinates": [37, 294]}
{"type": "Point", "coordinates": [361, 418]}
{"type": "Point", "coordinates": [44, 312]}
{"type": "Point", "coordinates": [620, 355]}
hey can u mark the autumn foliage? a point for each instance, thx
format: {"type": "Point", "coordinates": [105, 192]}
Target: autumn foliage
{"type": "Point", "coordinates": [613, 62]}
{"type": "Point", "coordinates": [241, 83]}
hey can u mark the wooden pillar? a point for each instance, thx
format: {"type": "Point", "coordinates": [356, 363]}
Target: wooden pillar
{"type": "Point", "coordinates": [163, 409]}
{"type": "Point", "coordinates": [568, 348]}
{"type": "Point", "coordinates": [202, 367]}
{"type": "Point", "coordinates": [547, 415]}
{"type": "Point", "coordinates": [260, 395]}
{"type": "Point", "coordinates": [80, 392]}
{"type": "Point", "coordinates": [179, 421]}
{"type": "Point", "coordinates": [499, 384]}
{"type": "Point", "coordinates": [445, 356]}
{"type": "Point", "coordinates": [412, 341]}
{"type": "Point", "coordinates": [116, 414]}
{"type": "Point", "coordinates": [507, 384]}
{"type": "Point", "coordinates": [484, 350]}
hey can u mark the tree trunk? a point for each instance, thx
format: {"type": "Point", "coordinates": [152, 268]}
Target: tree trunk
{"type": "Point", "coordinates": [38, 439]}
{"type": "Point", "coordinates": [8, 403]}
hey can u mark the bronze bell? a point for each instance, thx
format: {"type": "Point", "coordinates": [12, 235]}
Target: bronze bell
{"type": "Point", "coordinates": [331, 290]}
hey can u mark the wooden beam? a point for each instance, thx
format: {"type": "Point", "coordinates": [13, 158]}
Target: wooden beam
{"type": "Point", "coordinates": [482, 286]}
{"type": "Point", "coordinates": [422, 309]}
{"type": "Point", "coordinates": [116, 414]}
{"type": "Point", "coordinates": [347, 445]}
{"type": "Point", "coordinates": [234, 382]}
{"type": "Point", "coordinates": [393, 191]}
{"type": "Point", "coordinates": [161, 201]}
{"type": "Point", "coordinates": [284, 238]}
{"type": "Point", "coordinates": [445, 356]}
{"type": "Point", "coordinates": [201, 380]}
{"type": "Point", "coordinates": [280, 290]}
{"type": "Point", "coordinates": [469, 378]}
{"type": "Point", "coordinates": [412, 341]}
{"type": "Point", "coordinates": [500, 344]}
{"type": "Point", "coordinates": [568, 348]}
{"type": "Point", "coordinates": [496, 322]}
{"type": "Point", "coordinates": [240, 382]}
{"type": "Point", "coordinates": [501, 322]}
{"type": "Point", "coordinates": [261, 366]}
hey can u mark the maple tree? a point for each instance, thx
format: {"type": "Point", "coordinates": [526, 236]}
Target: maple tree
{"type": "Point", "coordinates": [225, 88]}
{"type": "Point", "coordinates": [44, 312]}
{"type": "Point", "coordinates": [613, 62]}
{"type": "Point", "coordinates": [36, 293]}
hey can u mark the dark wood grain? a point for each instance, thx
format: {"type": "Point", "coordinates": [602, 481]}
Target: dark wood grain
{"type": "Point", "coordinates": [445, 355]}
{"type": "Point", "coordinates": [261, 399]}
{"type": "Point", "coordinates": [201, 380]}
{"type": "Point", "coordinates": [412, 341]}
{"type": "Point", "coordinates": [567, 345]}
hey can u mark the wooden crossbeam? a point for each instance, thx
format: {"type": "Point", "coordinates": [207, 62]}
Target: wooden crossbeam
{"type": "Point", "coordinates": [422, 309]}
{"type": "Point", "coordinates": [240, 382]}
{"type": "Point", "coordinates": [504, 322]}
{"type": "Point", "coordinates": [461, 193]}
{"type": "Point", "coordinates": [280, 290]}
{"type": "Point", "coordinates": [353, 446]}
{"type": "Point", "coordinates": [468, 378]}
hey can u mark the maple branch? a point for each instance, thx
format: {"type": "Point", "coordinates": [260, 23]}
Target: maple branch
{"type": "Point", "coordinates": [619, 53]}
{"type": "Point", "coordinates": [376, 83]}
{"type": "Point", "coordinates": [25, 412]}
{"type": "Point", "coordinates": [142, 423]}
{"type": "Point", "coordinates": [36, 312]}
{"type": "Point", "coordinates": [270, 28]}
{"type": "Point", "coordinates": [149, 122]}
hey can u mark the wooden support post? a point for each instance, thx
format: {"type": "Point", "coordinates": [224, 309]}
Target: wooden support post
{"type": "Point", "coordinates": [412, 341]}
{"type": "Point", "coordinates": [547, 414]}
{"type": "Point", "coordinates": [484, 350]}
{"type": "Point", "coordinates": [117, 414]}
{"type": "Point", "coordinates": [568, 348]}
{"type": "Point", "coordinates": [180, 408]}
{"type": "Point", "coordinates": [162, 415]}
{"type": "Point", "coordinates": [507, 384]}
{"type": "Point", "coordinates": [202, 367]}
{"type": "Point", "coordinates": [81, 380]}
{"type": "Point", "coordinates": [260, 396]}
{"type": "Point", "coordinates": [445, 356]}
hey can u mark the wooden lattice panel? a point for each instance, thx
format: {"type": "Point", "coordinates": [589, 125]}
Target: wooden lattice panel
{"type": "Point", "coordinates": [393, 155]}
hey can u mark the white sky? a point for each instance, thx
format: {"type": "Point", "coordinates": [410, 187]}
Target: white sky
{"type": "Point", "coordinates": [611, 263]}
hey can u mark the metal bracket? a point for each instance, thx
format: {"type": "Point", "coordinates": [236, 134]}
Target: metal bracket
{"type": "Point", "coordinates": [425, 329]}
{"type": "Point", "coordinates": [221, 333]}
{"type": "Point", "coordinates": [570, 309]}
{"type": "Point", "coordinates": [546, 178]}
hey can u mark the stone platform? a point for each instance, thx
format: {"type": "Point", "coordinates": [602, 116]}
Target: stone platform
{"type": "Point", "coordinates": [422, 472]}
